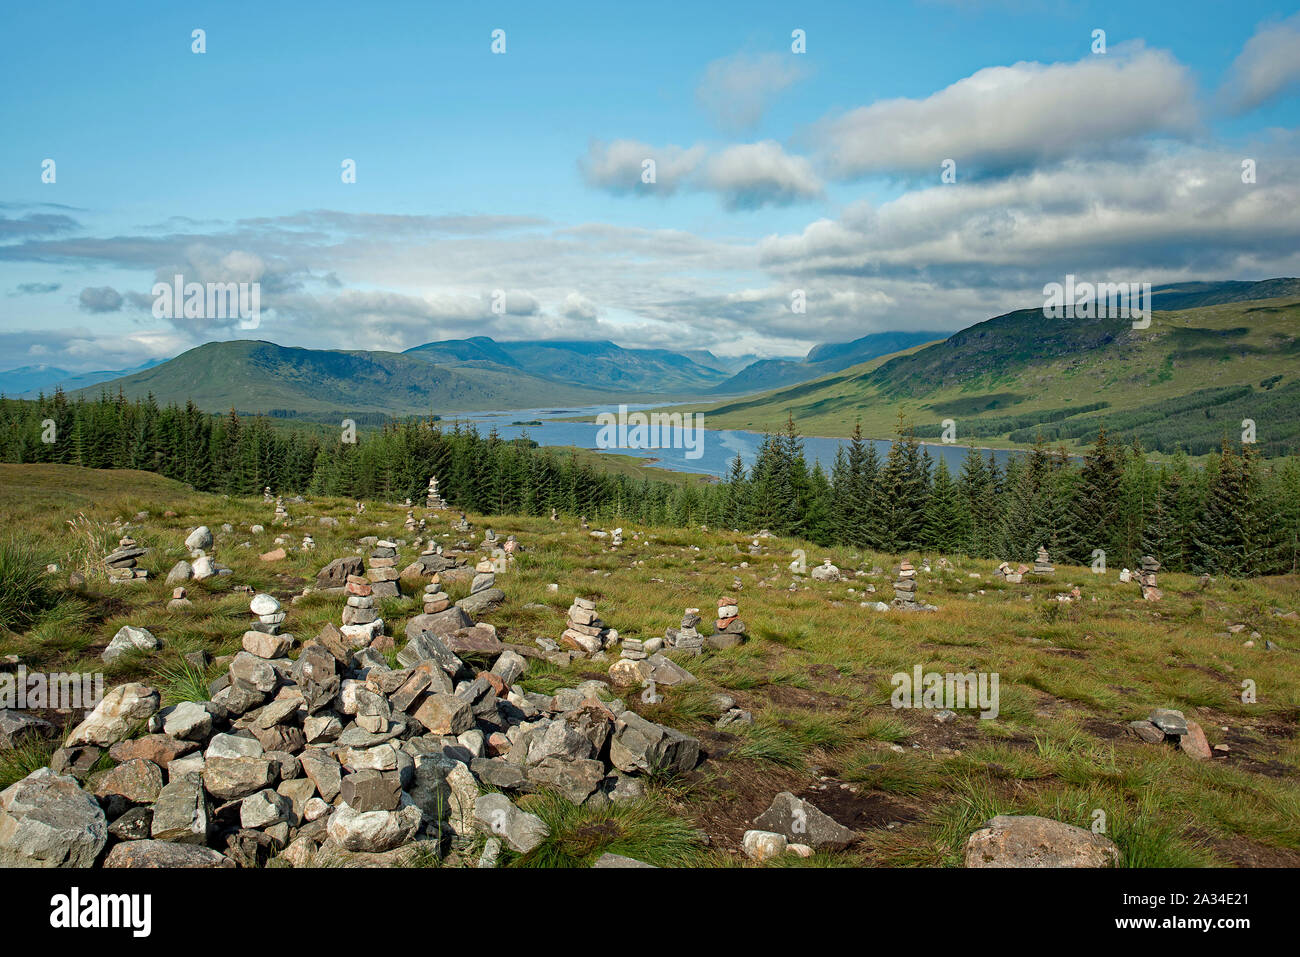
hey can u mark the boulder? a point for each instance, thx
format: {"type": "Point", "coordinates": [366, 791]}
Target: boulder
{"type": "Point", "coordinates": [441, 623]}
{"type": "Point", "coordinates": [47, 820]}
{"type": "Point", "coordinates": [641, 745]}
{"type": "Point", "coordinates": [199, 540]}
{"type": "Point", "coordinates": [373, 831]}
{"type": "Point", "coordinates": [122, 711]}
{"type": "Point", "coordinates": [18, 726]}
{"type": "Point", "coordinates": [481, 601]}
{"type": "Point", "coordinates": [181, 813]}
{"type": "Point", "coordinates": [164, 854]}
{"type": "Point", "coordinates": [494, 814]}
{"type": "Point", "coordinates": [801, 823]}
{"type": "Point", "coordinates": [1030, 841]}
{"type": "Point", "coordinates": [130, 639]}
{"type": "Point", "coordinates": [335, 574]}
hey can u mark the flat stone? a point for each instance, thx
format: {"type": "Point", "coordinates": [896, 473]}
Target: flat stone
{"type": "Point", "coordinates": [130, 639]}
{"type": "Point", "coordinates": [373, 831]}
{"type": "Point", "coordinates": [47, 820]}
{"type": "Point", "coordinates": [494, 814]}
{"type": "Point", "coordinates": [164, 854]}
{"type": "Point", "coordinates": [802, 823]}
{"type": "Point", "coordinates": [122, 710]}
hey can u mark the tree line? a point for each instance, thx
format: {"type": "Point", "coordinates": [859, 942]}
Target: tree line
{"type": "Point", "coordinates": [1236, 515]}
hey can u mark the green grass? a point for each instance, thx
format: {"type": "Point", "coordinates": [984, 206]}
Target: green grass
{"type": "Point", "coordinates": [645, 829]}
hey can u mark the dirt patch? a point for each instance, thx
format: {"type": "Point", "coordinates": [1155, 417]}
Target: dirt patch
{"type": "Point", "coordinates": [858, 810]}
{"type": "Point", "coordinates": [725, 806]}
{"type": "Point", "coordinates": [788, 696]}
{"type": "Point", "coordinates": [1244, 852]}
{"type": "Point", "coordinates": [1107, 730]}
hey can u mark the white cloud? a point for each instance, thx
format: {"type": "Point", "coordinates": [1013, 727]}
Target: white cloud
{"type": "Point", "coordinates": [618, 166]}
{"type": "Point", "coordinates": [737, 89]}
{"type": "Point", "coordinates": [1268, 65]}
{"type": "Point", "coordinates": [1017, 116]}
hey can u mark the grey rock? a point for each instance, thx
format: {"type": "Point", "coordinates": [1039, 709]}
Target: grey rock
{"type": "Point", "coordinates": [47, 820]}
{"type": "Point", "coordinates": [802, 823]}
{"type": "Point", "coordinates": [494, 814]}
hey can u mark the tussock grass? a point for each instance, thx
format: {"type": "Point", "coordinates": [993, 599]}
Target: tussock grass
{"type": "Point", "coordinates": [646, 829]}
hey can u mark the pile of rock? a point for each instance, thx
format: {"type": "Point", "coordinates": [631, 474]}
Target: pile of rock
{"type": "Point", "coordinates": [121, 562]}
{"type": "Point", "coordinates": [584, 632]}
{"type": "Point", "coordinates": [435, 599]}
{"type": "Point", "coordinates": [433, 499]}
{"type": "Point", "coordinates": [334, 576]}
{"type": "Point", "coordinates": [362, 626]}
{"type": "Point", "coordinates": [410, 522]}
{"type": "Point", "coordinates": [1167, 726]}
{"type": "Point", "coordinates": [281, 513]}
{"type": "Point", "coordinates": [382, 569]}
{"type": "Point", "coordinates": [270, 616]}
{"type": "Point", "coordinates": [826, 572]}
{"type": "Point", "coordinates": [1042, 564]}
{"type": "Point", "coordinates": [333, 758]}
{"type": "Point", "coordinates": [905, 589]}
{"type": "Point", "coordinates": [686, 639]}
{"type": "Point", "coordinates": [730, 630]}
{"type": "Point", "coordinates": [267, 497]}
{"type": "Point", "coordinates": [308, 543]}
{"type": "Point", "coordinates": [1012, 576]}
{"type": "Point", "coordinates": [1147, 578]}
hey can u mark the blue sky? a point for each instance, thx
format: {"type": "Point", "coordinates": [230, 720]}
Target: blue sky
{"type": "Point", "coordinates": [519, 172]}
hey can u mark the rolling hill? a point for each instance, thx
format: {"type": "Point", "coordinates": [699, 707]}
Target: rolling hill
{"type": "Point", "coordinates": [253, 376]}
{"type": "Point", "coordinates": [820, 360]}
{"type": "Point", "coordinates": [1187, 381]}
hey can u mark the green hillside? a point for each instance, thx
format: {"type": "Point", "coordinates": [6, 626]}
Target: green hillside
{"type": "Point", "coordinates": [1184, 382]}
{"type": "Point", "coordinates": [263, 377]}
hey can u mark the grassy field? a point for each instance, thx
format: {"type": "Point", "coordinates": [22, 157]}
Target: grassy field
{"type": "Point", "coordinates": [815, 674]}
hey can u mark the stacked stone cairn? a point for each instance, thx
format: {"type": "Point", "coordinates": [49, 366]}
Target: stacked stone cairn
{"type": "Point", "coordinates": [267, 497]}
{"type": "Point", "coordinates": [1147, 578]}
{"type": "Point", "coordinates": [435, 599]}
{"type": "Point", "coordinates": [362, 625]}
{"type": "Point", "coordinates": [1042, 564]}
{"type": "Point", "coordinates": [269, 614]}
{"type": "Point", "coordinates": [484, 577]}
{"type": "Point", "coordinates": [333, 759]}
{"type": "Point", "coordinates": [905, 589]}
{"type": "Point", "coordinates": [382, 569]}
{"type": "Point", "coordinates": [584, 632]}
{"type": "Point", "coordinates": [281, 513]}
{"type": "Point", "coordinates": [730, 629]}
{"type": "Point", "coordinates": [686, 639]}
{"type": "Point", "coordinates": [433, 499]}
{"type": "Point", "coordinates": [410, 521]}
{"type": "Point", "coordinates": [121, 562]}
{"type": "Point", "coordinates": [308, 543]}
{"type": "Point", "coordinates": [461, 524]}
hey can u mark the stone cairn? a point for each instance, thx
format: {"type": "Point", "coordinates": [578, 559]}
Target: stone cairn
{"type": "Point", "coordinates": [461, 525]}
{"type": "Point", "coordinates": [121, 562]}
{"type": "Point", "coordinates": [433, 499]}
{"type": "Point", "coordinates": [267, 497]}
{"type": "Point", "coordinates": [382, 569]}
{"type": "Point", "coordinates": [269, 614]}
{"type": "Point", "coordinates": [362, 625]}
{"type": "Point", "coordinates": [1012, 576]}
{"type": "Point", "coordinates": [686, 639]}
{"type": "Point", "coordinates": [411, 526]}
{"type": "Point", "coordinates": [730, 630]}
{"type": "Point", "coordinates": [905, 589]}
{"type": "Point", "coordinates": [308, 543]}
{"type": "Point", "coordinates": [281, 513]}
{"type": "Point", "coordinates": [435, 599]}
{"type": "Point", "coordinates": [484, 577]}
{"type": "Point", "coordinates": [317, 760]}
{"type": "Point", "coordinates": [584, 632]}
{"type": "Point", "coordinates": [1147, 578]}
{"type": "Point", "coordinates": [1042, 564]}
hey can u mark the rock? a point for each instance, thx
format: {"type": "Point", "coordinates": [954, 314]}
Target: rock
{"type": "Point", "coordinates": [17, 727]}
{"type": "Point", "coordinates": [253, 672]}
{"type": "Point", "coordinates": [1194, 743]}
{"type": "Point", "coordinates": [134, 782]}
{"type": "Point", "coordinates": [1169, 721]}
{"type": "Point", "coordinates": [444, 714]}
{"type": "Point", "coordinates": [1030, 841]}
{"type": "Point", "coordinates": [267, 646]}
{"type": "Point", "coordinates": [802, 823]}
{"type": "Point", "coordinates": [263, 809]}
{"type": "Point", "coordinates": [826, 572]}
{"type": "Point", "coordinates": [122, 710]}
{"type": "Point", "coordinates": [133, 825]}
{"type": "Point", "coordinates": [575, 778]}
{"type": "Point", "coordinates": [641, 745]}
{"type": "Point", "coordinates": [47, 820]}
{"type": "Point", "coordinates": [231, 778]}
{"type": "Point", "coordinates": [274, 555]}
{"type": "Point", "coordinates": [335, 574]}
{"type": "Point", "coordinates": [181, 813]}
{"type": "Point", "coordinates": [264, 604]}
{"type": "Point", "coordinates": [608, 860]}
{"type": "Point", "coordinates": [763, 845]}
{"type": "Point", "coordinates": [323, 771]}
{"type": "Point", "coordinates": [372, 831]}
{"type": "Point", "coordinates": [164, 854]}
{"type": "Point", "coordinates": [130, 639]}
{"type": "Point", "coordinates": [199, 540]}
{"type": "Point", "coordinates": [481, 601]}
{"type": "Point", "coordinates": [442, 623]}
{"type": "Point", "coordinates": [494, 814]}
{"type": "Point", "coordinates": [182, 571]}
{"type": "Point", "coordinates": [1147, 731]}
{"type": "Point", "coordinates": [188, 721]}
{"type": "Point", "coordinates": [373, 791]}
